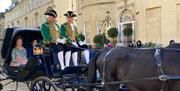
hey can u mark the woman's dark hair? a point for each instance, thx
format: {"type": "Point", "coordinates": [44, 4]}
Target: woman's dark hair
{"type": "Point", "coordinates": [171, 41]}
{"type": "Point", "coordinates": [19, 37]}
{"type": "Point", "coordinates": [139, 43]}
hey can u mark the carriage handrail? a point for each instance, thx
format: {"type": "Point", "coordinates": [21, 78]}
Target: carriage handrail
{"type": "Point", "coordinates": [94, 50]}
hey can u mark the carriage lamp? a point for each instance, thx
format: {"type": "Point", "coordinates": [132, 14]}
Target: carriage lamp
{"type": "Point", "coordinates": [37, 50]}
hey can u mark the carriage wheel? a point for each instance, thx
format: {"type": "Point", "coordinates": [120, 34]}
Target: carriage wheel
{"type": "Point", "coordinates": [3, 71]}
{"type": "Point", "coordinates": [43, 84]}
{"type": "Point", "coordinates": [28, 83]}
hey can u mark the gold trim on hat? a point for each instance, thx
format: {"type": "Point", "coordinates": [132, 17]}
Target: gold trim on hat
{"type": "Point", "coordinates": [50, 13]}
{"type": "Point", "coordinates": [54, 14]}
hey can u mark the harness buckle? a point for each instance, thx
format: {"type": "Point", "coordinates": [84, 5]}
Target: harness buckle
{"type": "Point", "coordinates": [163, 78]}
{"type": "Point", "coordinates": [157, 52]}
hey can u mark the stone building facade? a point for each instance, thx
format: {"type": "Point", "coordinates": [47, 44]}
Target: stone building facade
{"type": "Point", "coordinates": [2, 20]}
{"type": "Point", "coordinates": [151, 20]}
{"type": "Point", "coordinates": [30, 13]}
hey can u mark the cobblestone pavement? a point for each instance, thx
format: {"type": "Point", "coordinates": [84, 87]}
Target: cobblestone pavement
{"type": "Point", "coordinates": [22, 87]}
{"type": "Point", "coordinates": [12, 87]}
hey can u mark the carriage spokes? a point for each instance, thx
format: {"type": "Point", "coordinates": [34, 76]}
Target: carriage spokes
{"type": "Point", "coordinates": [43, 84]}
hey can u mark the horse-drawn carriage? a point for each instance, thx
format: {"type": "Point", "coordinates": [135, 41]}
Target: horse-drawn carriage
{"type": "Point", "coordinates": [39, 73]}
{"type": "Point", "coordinates": [140, 69]}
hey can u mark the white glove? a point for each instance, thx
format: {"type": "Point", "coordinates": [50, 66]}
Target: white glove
{"type": "Point", "coordinates": [74, 43]}
{"type": "Point", "coordinates": [81, 43]}
{"type": "Point", "coordinates": [63, 41]}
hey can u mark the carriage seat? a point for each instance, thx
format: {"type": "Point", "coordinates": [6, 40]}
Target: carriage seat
{"type": "Point", "coordinates": [31, 59]}
{"type": "Point", "coordinates": [21, 71]}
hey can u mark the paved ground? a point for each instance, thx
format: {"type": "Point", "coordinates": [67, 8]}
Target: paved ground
{"type": "Point", "coordinates": [12, 87]}
{"type": "Point", "coordinates": [22, 87]}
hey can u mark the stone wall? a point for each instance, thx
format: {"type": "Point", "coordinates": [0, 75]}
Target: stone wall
{"type": "Point", "coordinates": [153, 25]}
{"type": "Point", "coordinates": [1, 40]}
{"type": "Point", "coordinates": [155, 20]}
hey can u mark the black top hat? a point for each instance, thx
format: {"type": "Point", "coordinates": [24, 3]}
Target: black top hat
{"type": "Point", "coordinates": [51, 13]}
{"type": "Point", "coordinates": [70, 14]}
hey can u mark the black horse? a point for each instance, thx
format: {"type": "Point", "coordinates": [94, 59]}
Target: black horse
{"type": "Point", "coordinates": [132, 64]}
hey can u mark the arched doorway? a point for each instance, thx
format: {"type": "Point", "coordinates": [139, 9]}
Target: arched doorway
{"type": "Point", "coordinates": [126, 20]}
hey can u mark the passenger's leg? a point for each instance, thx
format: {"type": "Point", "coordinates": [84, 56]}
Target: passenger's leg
{"type": "Point", "coordinates": [67, 58]}
{"type": "Point", "coordinates": [61, 59]}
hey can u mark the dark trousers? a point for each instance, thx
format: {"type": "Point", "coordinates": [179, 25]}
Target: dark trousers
{"type": "Point", "coordinates": [54, 49]}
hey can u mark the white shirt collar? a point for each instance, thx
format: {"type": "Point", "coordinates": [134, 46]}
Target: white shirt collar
{"type": "Point", "coordinates": [72, 27]}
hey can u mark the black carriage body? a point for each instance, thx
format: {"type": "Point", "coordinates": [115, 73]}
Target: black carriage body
{"type": "Point", "coordinates": [9, 41]}
{"type": "Point", "coordinates": [69, 76]}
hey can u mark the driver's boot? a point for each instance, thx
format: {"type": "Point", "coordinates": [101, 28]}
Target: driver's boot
{"type": "Point", "coordinates": [67, 58]}
{"type": "Point", "coordinates": [86, 55]}
{"type": "Point", "coordinates": [61, 59]}
{"type": "Point", "coordinates": [74, 58]}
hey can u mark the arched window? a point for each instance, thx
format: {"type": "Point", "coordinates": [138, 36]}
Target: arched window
{"type": "Point", "coordinates": [126, 16]}
{"type": "Point", "coordinates": [126, 20]}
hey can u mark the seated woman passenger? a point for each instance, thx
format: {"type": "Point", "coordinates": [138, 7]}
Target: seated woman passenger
{"type": "Point", "coordinates": [19, 54]}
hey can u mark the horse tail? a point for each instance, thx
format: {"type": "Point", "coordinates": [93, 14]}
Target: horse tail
{"type": "Point", "coordinates": [92, 67]}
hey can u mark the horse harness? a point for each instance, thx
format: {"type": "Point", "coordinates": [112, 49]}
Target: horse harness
{"type": "Point", "coordinates": [162, 76]}
{"type": "Point", "coordinates": [158, 60]}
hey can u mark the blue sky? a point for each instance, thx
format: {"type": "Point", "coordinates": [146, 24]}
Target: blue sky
{"type": "Point", "coordinates": [4, 4]}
